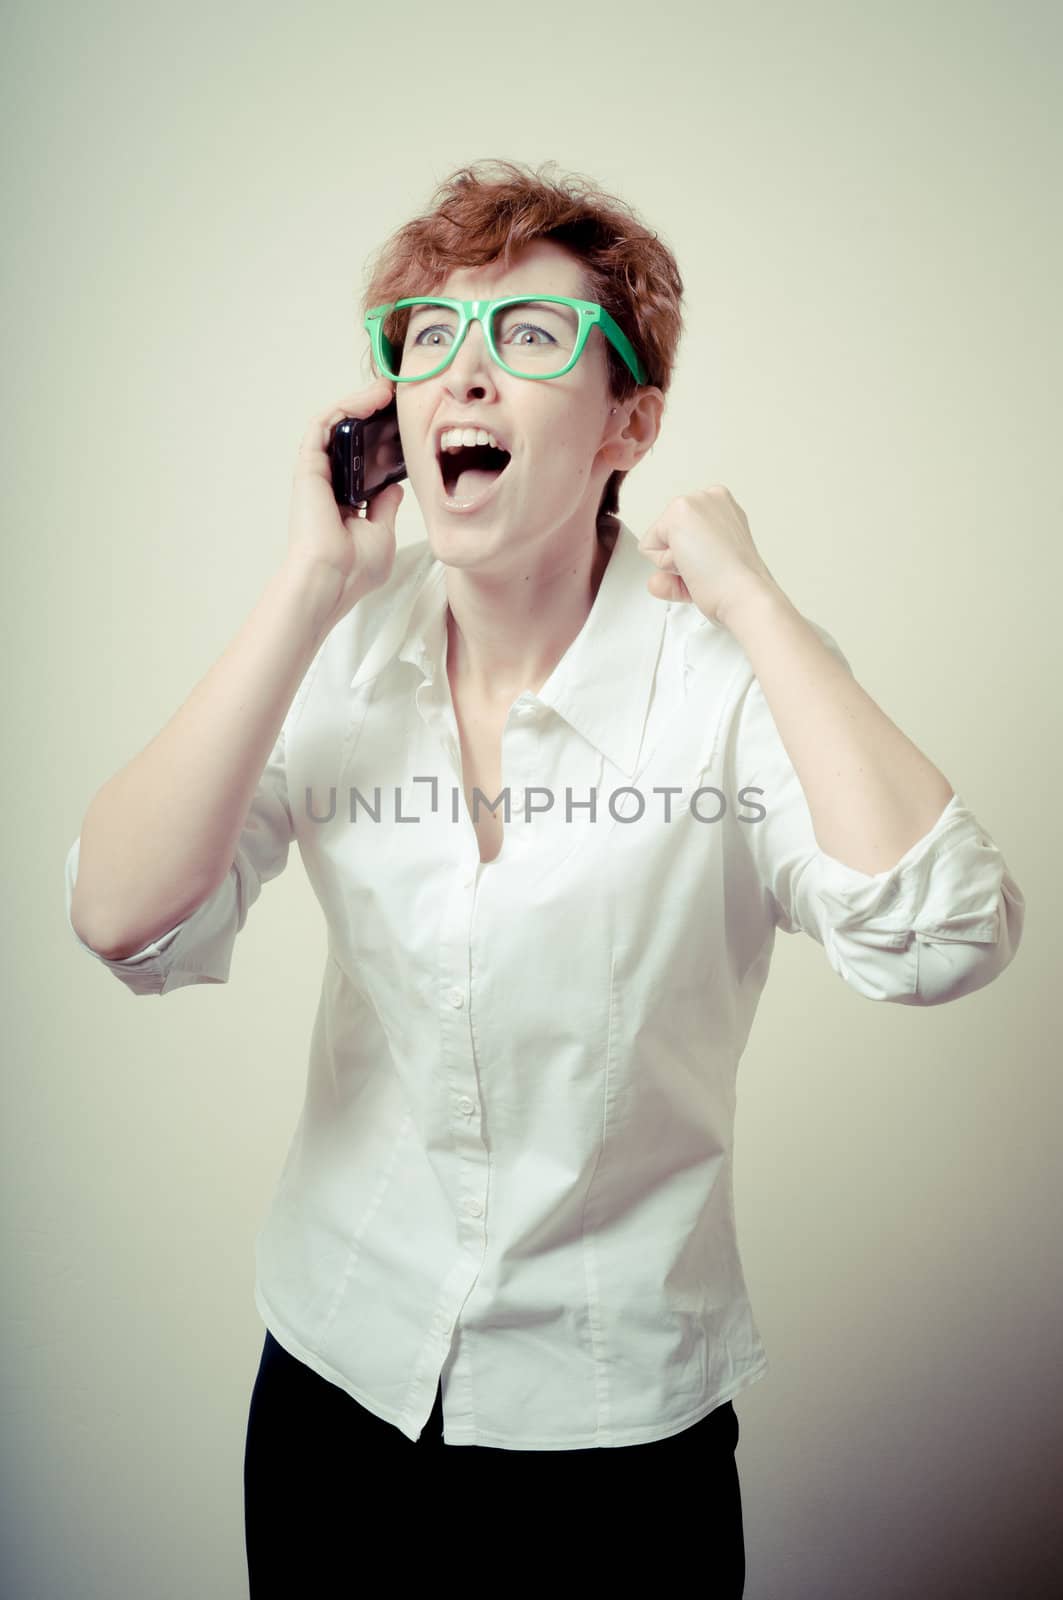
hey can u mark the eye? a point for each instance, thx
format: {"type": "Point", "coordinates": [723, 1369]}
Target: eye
{"type": "Point", "coordinates": [531, 327]}
{"type": "Point", "coordinates": [423, 334]}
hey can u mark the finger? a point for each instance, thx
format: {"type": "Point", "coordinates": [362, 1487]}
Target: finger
{"type": "Point", "coordinates": [669, 586]}
{"type": "Point", "coordinates": [384, 506]}
{"type": "Point", "coordinates": [662, 559]}
{"type": "Point", "coordinates": [653, 539]}
{"type": "Point", "coordinates": [361, 403]}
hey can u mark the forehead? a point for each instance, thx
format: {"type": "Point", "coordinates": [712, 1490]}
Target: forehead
{"type": "Point", "coordinates": [543, 267]}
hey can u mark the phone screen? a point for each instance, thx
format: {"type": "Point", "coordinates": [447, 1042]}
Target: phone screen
{"type": "Point", "coordinates": [382, 450]}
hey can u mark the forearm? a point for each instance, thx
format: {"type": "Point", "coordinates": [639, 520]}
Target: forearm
{"type": "Point", "coordinates": [161, 833]}
{"type": "Point", "coordinates": [871, 793]}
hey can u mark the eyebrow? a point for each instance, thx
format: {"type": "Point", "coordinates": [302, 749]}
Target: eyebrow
{"type": "Point", "coordinates": [546, 307]}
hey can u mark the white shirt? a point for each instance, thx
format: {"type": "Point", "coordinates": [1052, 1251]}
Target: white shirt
{"type": "Point", "coordinates": [513, 1167]}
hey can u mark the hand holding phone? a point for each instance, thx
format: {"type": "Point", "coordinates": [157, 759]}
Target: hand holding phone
{"type": "Point", "coordinates": [349, 551]}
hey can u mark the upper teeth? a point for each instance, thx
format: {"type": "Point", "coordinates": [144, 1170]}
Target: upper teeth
{"type": "Point", "coordinates": [457, 438]}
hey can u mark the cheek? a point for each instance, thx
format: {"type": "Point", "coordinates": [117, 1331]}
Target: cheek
{"type": "Point", "coordinates": [413, 438]}
{"type": "Point", "coordinates": [567, 464]}
{"type": "Point", "coordinates": [579, 455]}
{"type": "Point", "coordinates": [411, 410]}
{"type": "Point", "coordinates": [573, 441]}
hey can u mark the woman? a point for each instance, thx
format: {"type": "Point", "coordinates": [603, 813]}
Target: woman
{"type": "Point", "coordinates": [555, 791]}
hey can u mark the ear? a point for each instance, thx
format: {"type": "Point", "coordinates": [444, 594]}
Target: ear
{"type": "Point", "coordinates": [631, 431]}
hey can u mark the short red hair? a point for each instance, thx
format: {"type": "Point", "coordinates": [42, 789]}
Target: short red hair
{"type": "Point", "coordinates": [491, 209]}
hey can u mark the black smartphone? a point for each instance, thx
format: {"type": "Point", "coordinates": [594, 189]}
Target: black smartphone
{"type": "Point", "coordinates": [365, 454]}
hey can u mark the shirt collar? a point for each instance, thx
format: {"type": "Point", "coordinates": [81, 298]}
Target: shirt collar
{"type": "Point", "coordinates": [602, 684]}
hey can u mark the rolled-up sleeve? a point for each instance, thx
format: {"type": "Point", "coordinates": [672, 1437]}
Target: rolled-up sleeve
{"type": "Point", "coordinates": [945, 920]}
{"type": "Point", "coordinates": [199, 949]}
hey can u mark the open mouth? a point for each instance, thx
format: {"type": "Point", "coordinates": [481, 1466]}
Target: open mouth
{"type": "Point", "coordinates": [470, 471]}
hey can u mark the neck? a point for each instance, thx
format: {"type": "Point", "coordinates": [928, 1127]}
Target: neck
{"type": "Point", "coordinates": [507, 634]}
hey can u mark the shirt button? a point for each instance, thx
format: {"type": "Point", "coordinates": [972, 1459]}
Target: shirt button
{"type": "Point", "coordinates": [456, 998]}
{"type": "Point", "coordinates": [465, 1104]}
{"type": "Point", "coordinates": [472, 1207]}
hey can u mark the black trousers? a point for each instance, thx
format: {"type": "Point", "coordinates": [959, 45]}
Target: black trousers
{"type": "Point", "coordinates": [335, 1496]}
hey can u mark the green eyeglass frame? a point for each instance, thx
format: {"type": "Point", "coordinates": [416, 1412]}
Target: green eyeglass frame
{"type": "Point", "coordinates": [590, 314]}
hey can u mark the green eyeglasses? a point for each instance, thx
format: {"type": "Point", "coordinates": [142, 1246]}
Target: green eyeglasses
{"type": "Point", "coordinates": [542, 335]}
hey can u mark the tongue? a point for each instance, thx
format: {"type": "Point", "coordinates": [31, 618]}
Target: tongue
{"type": "Point", "coordinates": [472, 482]}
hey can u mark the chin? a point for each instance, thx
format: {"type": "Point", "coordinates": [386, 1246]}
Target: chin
{"type": "Point", "coordinates": [454, 541]}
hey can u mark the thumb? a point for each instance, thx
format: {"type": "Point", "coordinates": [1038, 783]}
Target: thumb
{"type": "Point", "coordinates": [379, 513]}
{"type": "Point", "coordinates": [384, 506]}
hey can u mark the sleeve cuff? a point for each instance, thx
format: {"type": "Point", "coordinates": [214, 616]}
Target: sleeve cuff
{"type": "Point", "coordinates": [145, 971]}
{"type": "Point", "coordinates": [947, 885]}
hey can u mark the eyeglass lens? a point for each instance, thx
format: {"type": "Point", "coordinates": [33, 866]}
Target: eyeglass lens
{"type": "Point", "coordinates": [534, 338]}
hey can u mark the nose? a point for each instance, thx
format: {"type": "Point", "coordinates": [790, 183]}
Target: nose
{"type": "Point", "coordinates": [472, 360]}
